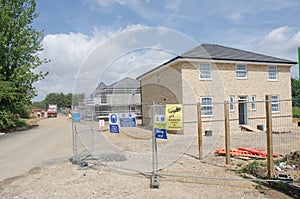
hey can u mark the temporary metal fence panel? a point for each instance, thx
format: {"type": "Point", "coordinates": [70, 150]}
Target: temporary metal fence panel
{"type": "Point", "coordinates": [178, 155]}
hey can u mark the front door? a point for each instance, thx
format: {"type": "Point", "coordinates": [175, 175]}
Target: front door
{"type": "Point", "coordinates": [243, 111]}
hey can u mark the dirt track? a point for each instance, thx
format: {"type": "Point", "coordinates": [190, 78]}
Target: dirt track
{"type": "Point", "coordinates": [34, 164]}
{"type": "Point", "coordinates": [49, 143]}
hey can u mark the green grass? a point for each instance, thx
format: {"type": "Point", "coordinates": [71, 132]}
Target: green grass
{"type": "Point", "coordinates": [253, 165]}
{"type": "Point", "coordinates": [240, 164]}
{"type": "Point", "coordinates": [277, 162]}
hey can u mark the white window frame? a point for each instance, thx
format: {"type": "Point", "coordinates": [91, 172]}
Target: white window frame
{"type": "Point", "coordinates": [272, 74]}
{"type": "Point", "coordinates": [205, 71]}
{"type": "Point", "coordinates": [231, 103]}
{"type": "Point", "coordinates": [240, 71]}
{"type": "Point", "coordinates": [253, 102]}
{"type": "Point", "coordinates": [206, 106]}
{"type": "Point", "coordinates": [275, 103]}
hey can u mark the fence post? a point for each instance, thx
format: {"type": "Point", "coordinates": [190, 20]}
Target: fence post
{"type": "Point", "coordinates": [227, 132]}
{"type": "Point", "coordinates": [269, 136]}
{"type": "Point", "coordinates": [154, 182]}
{"type": "Point", "coordinates": [199, 130]}
{"type": "Point", "coordinates": [74, 140]}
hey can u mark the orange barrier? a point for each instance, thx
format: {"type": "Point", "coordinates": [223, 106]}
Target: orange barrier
{"type": "Point", "coordinates": [257, 151]}
{"type": "Point", "coordinates": [245, 152]}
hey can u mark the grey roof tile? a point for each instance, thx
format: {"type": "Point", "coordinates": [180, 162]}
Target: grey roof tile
{"type": "Point", "coordinates": [125, 83]}
{"type": "Point", "coordinates": [218, 52]}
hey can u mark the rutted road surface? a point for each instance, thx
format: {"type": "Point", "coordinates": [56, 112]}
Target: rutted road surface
{"type": "Point", "coordinates": [50, 142]}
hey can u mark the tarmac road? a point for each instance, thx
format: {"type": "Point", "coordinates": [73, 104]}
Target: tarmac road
{"type": "Point", "coordinates": [49, 143]}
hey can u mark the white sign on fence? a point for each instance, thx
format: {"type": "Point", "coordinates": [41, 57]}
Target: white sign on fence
{"type": "Point", "coordinates": [127, 119]}
{"type": "Point", "coordinates": [101, 123]}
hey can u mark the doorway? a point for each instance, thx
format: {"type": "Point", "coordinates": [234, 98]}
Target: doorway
{"type": "Point", "coordinates": [243, 110]}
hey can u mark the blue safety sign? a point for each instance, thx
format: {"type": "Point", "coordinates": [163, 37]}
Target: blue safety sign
{"type": "Point", "coordinates": [160, 133]}
{"type": "Point", "coordinates": [160, 127]}
{"type": "Point", "coordinates": [127, 120]}
{"type": "Point", "coordinates": [113, 123]}
{"type": "Point", "coordinates": [76, 117]}
{"type": "Point", "coordinates": [114, 128]}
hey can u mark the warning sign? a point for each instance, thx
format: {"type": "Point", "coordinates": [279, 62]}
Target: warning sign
{"type": "Point", "coordinates": [76, 117]}
{"type": "Point", "coordinates": [174, 116]}
{"type": "Point", "coordinates": [113, 123]}
{"type": "Point", "coordinates": [160, 126]}
{"type": "Point", "coordinates": [127, 119]}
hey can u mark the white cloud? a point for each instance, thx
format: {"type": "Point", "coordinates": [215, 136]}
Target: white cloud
{"type": "Point", "coordinates": [283, 42]}
{"type": "Point", "coordinates": [278, 34]}
{"type": "Point", "coordinates": [130, 51]}
{"type": "Point", "coordinates": [235, 15]}
{"type": "Point", "coordinates": [67, 52]}
{"type": "Point", "coordinates": [172, 5]}
{"type": "Point", "coordinates": [80, 60]}
{"type": "Point", "coordinates": [136, 62]}
{"type": "Point", "coordinates": [110, 2]}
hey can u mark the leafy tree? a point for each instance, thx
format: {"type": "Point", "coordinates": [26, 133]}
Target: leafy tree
{"type": "Point", "coordinates": [295, 88]}
{"type": "Point", "coordinates": [62, 100]}
{"type": "Point", "coordinates": [40, 104]}
{"type": "Point", "coordinates": [20, 44]}
{"type": "Point", "coordinates": [295, 92]}
{"type": "Point", "coordinates": [7, 96]}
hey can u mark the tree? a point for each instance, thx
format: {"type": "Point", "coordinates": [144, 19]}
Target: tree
{"type": "Point", "coordinates": [295, 92]}
{"type": "Point", "coordinates": [60, 99]}
{"type": "Point", "coordinates": [20, 44]}
{"type": "Point", "coordinates": [295, 88]}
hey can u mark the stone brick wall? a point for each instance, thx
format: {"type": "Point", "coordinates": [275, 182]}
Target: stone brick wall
{"type": "Point", "coordinates": [182, 80]}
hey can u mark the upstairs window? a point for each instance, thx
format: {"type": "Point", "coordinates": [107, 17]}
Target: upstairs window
{"type": "Point", "coordinates": [103, 99]}
{"type": "Point", "coordinates": [205, 72]}
{"type": "Point", "coordinates": [272, 73]}
{"type": "Point", "coordinates": [206, 106]}
{"type": "Point", "coordinates": [241, 71]}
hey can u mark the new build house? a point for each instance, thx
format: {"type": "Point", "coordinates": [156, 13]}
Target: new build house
{"type": "Point", "coordinates": [121, 96]}
{"type": "Point", "coordinates": [211, 74]}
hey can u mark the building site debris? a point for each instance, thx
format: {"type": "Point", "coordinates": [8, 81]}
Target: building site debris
{"type": "Point", "coordinates": [245, 152]}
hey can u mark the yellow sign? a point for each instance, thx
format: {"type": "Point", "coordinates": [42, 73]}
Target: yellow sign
{"type": "Point", "coordinates": [160, 122]}
{"type": "Point", "coordinates": [174, 116]}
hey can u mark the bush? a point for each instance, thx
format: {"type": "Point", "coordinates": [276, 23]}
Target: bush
{"type": "Point", "coordinates": [7, 120]}
{"type": "Point", "coordinates": [20, 123]}
{"type": "Point", "coordinates": [296, 112]}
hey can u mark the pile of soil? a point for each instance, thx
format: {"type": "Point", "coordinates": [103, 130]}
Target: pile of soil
{"type": "Point", "coordinates": [294, 158]}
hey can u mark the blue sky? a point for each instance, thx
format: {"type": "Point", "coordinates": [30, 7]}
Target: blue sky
{"type": "Point", "coordinates": [73, 28]}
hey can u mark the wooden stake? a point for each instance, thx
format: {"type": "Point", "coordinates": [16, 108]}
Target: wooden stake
{"type": "Point", "coordinates": [227, 131]}
{"type": "Point", "coordinates": [199, 130]}
{"type": "Point", "coordinates": [270, 162]}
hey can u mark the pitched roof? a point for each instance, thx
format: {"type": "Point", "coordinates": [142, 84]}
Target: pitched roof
{"type": "Point", "coordinates": [223, 53]}
{"type": "Point", "coordinates": [217, 52]}
{"type": "Point", "coordinates": [121, 84]}
{"type": "Point", "coordinates": [125, 83]}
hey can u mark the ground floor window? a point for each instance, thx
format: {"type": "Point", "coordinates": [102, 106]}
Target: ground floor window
{"type": "Point", "coordinates": [275, 103]}
{"type": "Point", "coordinates": [253, 102]}
{"type": "Point", "coordinates": [231, 101]}
{"type": "Point", "coordinates": [206, 106]}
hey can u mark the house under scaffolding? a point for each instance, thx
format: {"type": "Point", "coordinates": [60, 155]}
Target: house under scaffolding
{"type": "Point", "coordinates": [120, 97]}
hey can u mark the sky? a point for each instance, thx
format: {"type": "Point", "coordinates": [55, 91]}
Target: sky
{"type": "Point", "coordinates": [106, 34]}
